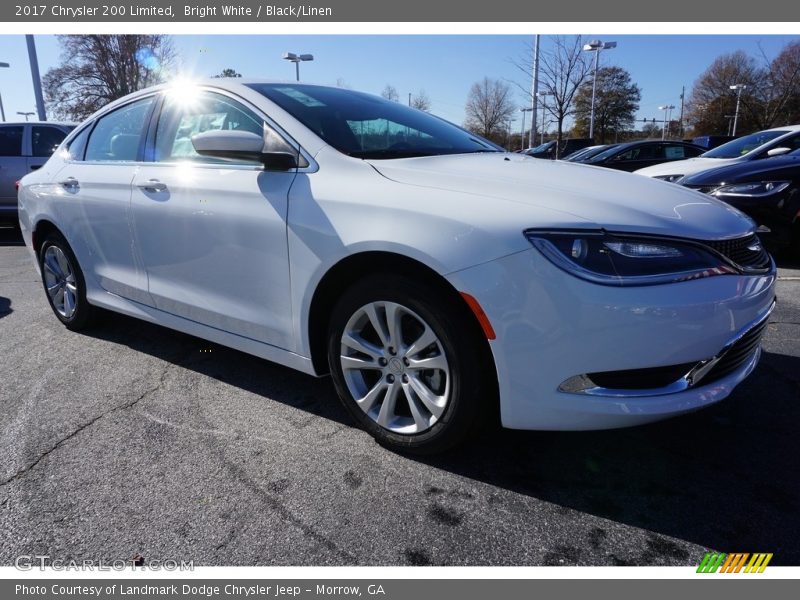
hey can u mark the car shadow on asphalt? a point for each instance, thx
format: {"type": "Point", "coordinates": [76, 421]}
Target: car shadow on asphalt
{"type": "Point", "coordinates": [5, 307]}
{"type": "Point", "coordinates": [724, 477]}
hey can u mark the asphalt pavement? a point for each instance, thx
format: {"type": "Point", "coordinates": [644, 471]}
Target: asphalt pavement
{"type": "Point", "coordinates": [136, 440]}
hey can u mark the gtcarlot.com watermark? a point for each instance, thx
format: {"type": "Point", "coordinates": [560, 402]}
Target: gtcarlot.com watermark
{"type": "Point", "coordinates": [29, 562]}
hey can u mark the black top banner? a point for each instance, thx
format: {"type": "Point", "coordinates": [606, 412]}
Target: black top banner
{"type": "Point", "coordinates": [710, 11]}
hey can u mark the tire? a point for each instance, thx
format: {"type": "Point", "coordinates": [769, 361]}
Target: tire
{"type": "Point", "coordinates": [382, 383]}
{"type": "Point", "coordinates": [64, 285]}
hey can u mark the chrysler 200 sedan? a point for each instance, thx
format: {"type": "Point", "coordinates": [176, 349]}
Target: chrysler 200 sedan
{"type": "Point", "coordinates": [434, 276]}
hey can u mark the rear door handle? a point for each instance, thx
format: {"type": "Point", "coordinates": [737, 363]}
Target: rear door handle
{"type": "Point", "coordinates": [153, 185]}
{"type": "Point", "coordinates": [70, 183]}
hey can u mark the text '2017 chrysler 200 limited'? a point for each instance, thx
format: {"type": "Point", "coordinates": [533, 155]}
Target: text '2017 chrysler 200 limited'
{"type": "Point", "coordinates": [430, 273]}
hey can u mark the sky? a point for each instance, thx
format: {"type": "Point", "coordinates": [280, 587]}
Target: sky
{"type": "Point", "coordinates": [444, 66]}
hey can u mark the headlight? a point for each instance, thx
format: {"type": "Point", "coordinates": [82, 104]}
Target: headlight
{"type": "Point", "coordinates": [669, 178]}
{"type": "Point", "coordinates": [623, 259]}
{"type": "Point", "coordinates": [756, 189]}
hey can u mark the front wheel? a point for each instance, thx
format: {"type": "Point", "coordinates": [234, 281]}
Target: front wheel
{"type": "Point", "coordinates": [407, 365]}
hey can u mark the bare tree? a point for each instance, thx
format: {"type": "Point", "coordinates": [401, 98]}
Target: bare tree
{"type": "Point", "coordinates": [562, 70]}
{"type": "Point", "coordinates": [96, 69]}
{"type": "Point", "coordinates": [489, 109]}
{"type": "Point", "coordinates": [421, 100]}
{"type": "Point", "coordinates": [390, 93]}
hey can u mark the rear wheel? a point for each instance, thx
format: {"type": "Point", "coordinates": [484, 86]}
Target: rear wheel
{"type": "Point", "coordinates": [64, 283]}
{"type": "Point", "coordinates": [406, 364]}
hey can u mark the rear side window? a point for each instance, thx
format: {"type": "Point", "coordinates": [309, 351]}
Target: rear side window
{"type": "Point", "coordinates": [11, 141]}
{"type": "Point", "coordinates": [675, 152]}
{"type": "Point", "coordinates": [117, 135]}
{"type": "Point", "coordinates": [44, 140]}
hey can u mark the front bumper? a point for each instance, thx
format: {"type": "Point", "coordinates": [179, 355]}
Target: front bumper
{"type": "Point", "coordinates": [552, 327]}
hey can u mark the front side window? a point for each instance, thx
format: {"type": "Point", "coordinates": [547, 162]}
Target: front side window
{"type": "Point", "coordinates": [45, 140]}
{"type": "Point", "coordinates": [365, 126]}
{"type": "Point", "coordinates": [184, 116]}
{"type": "Point", "coordinates": [11, 141]}
{"type": "Point", "coordinates": [118, 135]}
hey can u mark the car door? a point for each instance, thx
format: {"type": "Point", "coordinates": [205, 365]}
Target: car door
{"type": "Point", "coordinates": [212, 232]}
{"type": "Point", "coordinates": [44, 140]}
{"type": "Point", "coordinates": [12, 164]}
{"type": "Point", "coordinates": [96, 184]}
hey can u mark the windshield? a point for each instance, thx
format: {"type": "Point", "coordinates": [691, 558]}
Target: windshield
{"type": "Point", "coordinates": [589, 153]}
{"type": "Point", "coordinates": [743, 145]}
{"type": "Point", "coordinates": [605, 153]}
{"type": "Point", "coordinates": [366, 126]}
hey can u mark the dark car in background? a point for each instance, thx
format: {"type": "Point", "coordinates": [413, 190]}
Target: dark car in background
{"type": "Point", "coordinates": [568, 146]}
{"type": "Point", "coordinates": [580, 155]}
{"type": "Point", "coordinates": [638, 155]}
{"type": "Point", "coordinates": [24, 147]}
{"type": "Point", "coordinates": [768, 191]}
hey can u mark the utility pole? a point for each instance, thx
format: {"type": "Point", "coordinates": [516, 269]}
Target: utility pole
{"type": "Point", "coordinates": [534, 91]}
{"type": "Point", "coordinates": [37, 81]}
{"type": "Point", "coordinates": [738, 87]}
{"type": "Point", "coordinates": [409, 98]}
{"type": "Point", "coordinates": [680, 125]}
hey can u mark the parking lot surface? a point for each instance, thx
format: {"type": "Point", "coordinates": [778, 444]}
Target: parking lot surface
{"type": "Point", "coordinates": [136, 440]}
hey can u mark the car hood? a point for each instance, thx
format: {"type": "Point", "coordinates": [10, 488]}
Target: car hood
{"type": "Point", "coordinates": [686, 167]}
{"type": "Point", "coordinates": [781, 167]}
{"type": "Point", "coordinates": [609, 199]}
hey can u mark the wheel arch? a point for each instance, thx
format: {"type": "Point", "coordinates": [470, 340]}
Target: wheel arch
{"type": "Point", "coordinates": [40, 231]}
{"type": "Point", "coordinates": [357, 266]}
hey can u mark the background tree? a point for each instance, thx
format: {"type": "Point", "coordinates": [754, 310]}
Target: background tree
{"type": "Point", "coordinates": [421, 101]}
{"type": "Point", "coordinates": [489, 109]}
{"type": "Point", "coordinates": [227, 73]}
{"type": "Point", "coordinates": [562, 70]}
{"type": "Point", "coordinates": [96, 69]}
{"type": "Point", "coordinates": [390, 93]}
{"type": "Point", "coordinates": [711, 97]}
{"type": "Point", "coordinates": [780, 88]}
{"type": "Point", "coordinates": [616, 102]}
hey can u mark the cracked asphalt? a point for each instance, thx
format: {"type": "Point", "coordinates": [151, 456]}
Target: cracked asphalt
{"type": "Point", "coordinates": [133, 439]}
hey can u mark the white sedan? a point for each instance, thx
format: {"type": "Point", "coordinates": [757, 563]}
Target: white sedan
{"type": "Point", "coordinates": [434, 276]}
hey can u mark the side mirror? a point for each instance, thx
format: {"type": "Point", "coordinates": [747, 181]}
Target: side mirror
{"type": "Point", "coordinates": [778, 151]}
{"type": "Point", "coordinates": [273, 153]}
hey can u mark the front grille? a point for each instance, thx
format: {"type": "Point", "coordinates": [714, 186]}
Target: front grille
{"type": "Point", "coordinates": [737, 355]}
{"type": "Point", "coordinates": [747, 252]}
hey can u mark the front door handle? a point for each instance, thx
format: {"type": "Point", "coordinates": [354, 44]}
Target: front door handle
{"type": "Point", "coordinates": [153, 185]}
{"type": "Point", "coordinates": [70, 184]}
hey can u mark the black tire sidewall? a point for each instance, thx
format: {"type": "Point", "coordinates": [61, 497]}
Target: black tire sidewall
{"type": "Point", "coordinates": [80, 317]}
{"type": "Point", "coordinates": [447, 320]}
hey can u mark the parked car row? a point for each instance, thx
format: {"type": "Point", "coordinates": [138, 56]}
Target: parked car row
{"type": "Point", "coordinates": [759, 174]}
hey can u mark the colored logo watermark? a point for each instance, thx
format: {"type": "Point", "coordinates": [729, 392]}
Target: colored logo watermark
{"type": "Point", "coordinates": [736, 562]}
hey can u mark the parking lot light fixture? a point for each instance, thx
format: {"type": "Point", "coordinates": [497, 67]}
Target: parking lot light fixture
{"type": "Point", "coordinates": [596, 46]}
{"type": "Point", "coordinates": [738, 87]}
{"type": "Point", "coordinates": [25, 114]}
{"type": "Point", "coordinates": [297, 59]}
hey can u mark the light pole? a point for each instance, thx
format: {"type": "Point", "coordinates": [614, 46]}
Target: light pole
{"type": "Point", "coordinates": [37, 81]}
{"type": "Point", "coordinates": [2, 110]}
{"type": "Point", "coordinates": [297, 59]}
{"type": "Point", "coordinates": [25, 114]}
{"type": "Point", "coordinates": [596, 46]}
{"type": "Point", "coordinates": [666, 108]}
{"type": "Point", "coordinates": [738, 87]}
{"type": "Point", "coordinates": [522, 133]}
{"type": "Point", "coordinates": [544, 96]}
